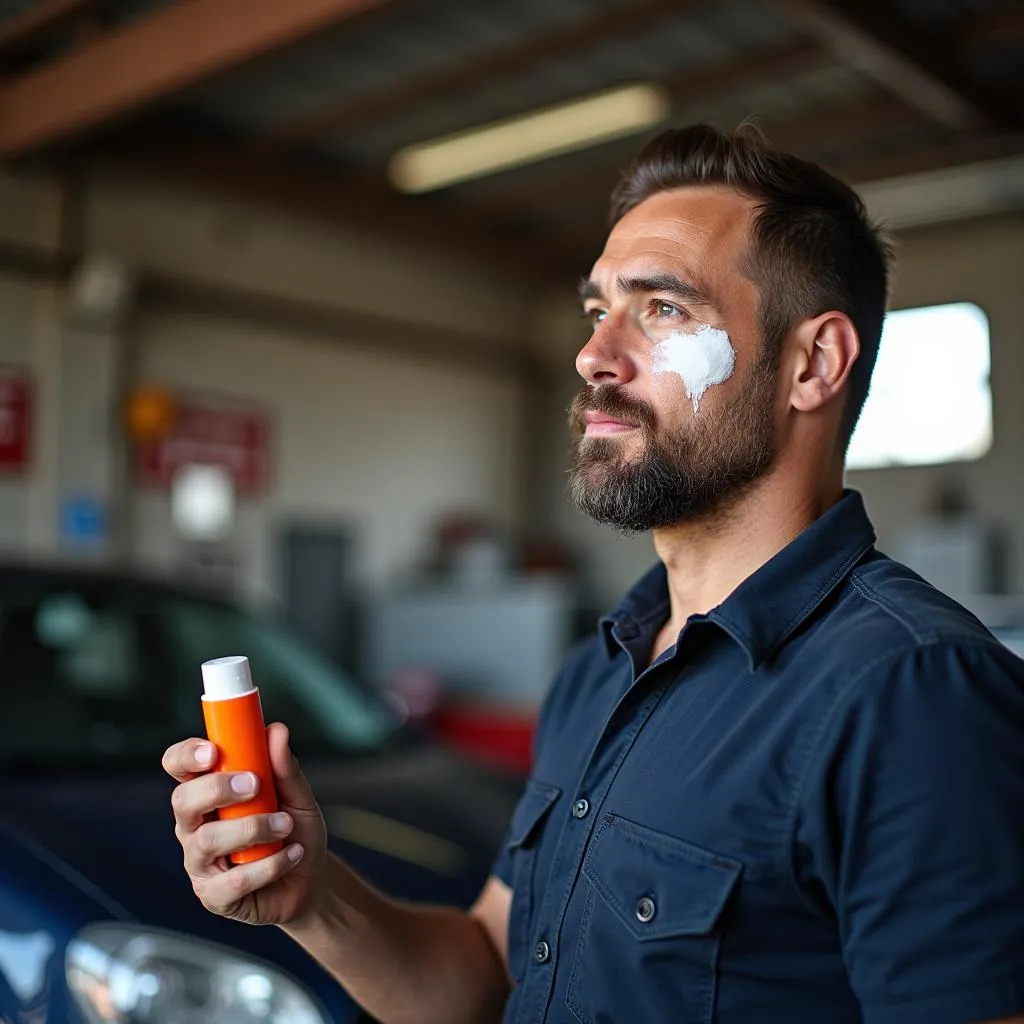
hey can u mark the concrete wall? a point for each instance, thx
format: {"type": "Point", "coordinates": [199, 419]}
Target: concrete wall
{"type": "Point", "coordinates": [219, 242]}
{"type": "Point", "coordinates": [977, 261]}
{"type": "Point", "coordinates": [379, 443]}
{"type": "Point", "coordinates": [385, 441]}
{"type": "Point", "coordinates": [29, 339]}
{"type": "Point", "coordinates": [377, 439]}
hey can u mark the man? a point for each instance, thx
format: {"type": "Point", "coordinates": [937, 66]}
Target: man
{"type": "Point", "coordinates": [784, 781]}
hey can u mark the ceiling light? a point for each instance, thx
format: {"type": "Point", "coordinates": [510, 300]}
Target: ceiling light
{"type": "Point", "coordinates": [519, 140]}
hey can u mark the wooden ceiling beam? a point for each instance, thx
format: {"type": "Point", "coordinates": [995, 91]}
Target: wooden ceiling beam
{"type": "Point", "coordinates": [589, 31]}
{"type": "Point", "coordinates": [178, 46]}
{"type": "Point", "coordinates": [919, 66]}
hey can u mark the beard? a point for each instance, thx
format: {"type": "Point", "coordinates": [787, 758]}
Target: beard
{"type": "Point", "coordinates": [686, 475]}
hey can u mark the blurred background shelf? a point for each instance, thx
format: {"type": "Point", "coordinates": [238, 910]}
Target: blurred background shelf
{"type": "Point", "coordinates": [498, 644]}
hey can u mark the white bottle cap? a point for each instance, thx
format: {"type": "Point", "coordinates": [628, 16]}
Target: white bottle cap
{"type": "Point", "coordinates": [224, 678]}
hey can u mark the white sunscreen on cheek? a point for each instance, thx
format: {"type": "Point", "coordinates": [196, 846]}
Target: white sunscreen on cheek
{"type": "Point", "coordinates": [701, 359]}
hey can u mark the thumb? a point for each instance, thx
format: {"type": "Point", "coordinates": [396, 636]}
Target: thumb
{"type": "Point", "coordinates": [293, 789]}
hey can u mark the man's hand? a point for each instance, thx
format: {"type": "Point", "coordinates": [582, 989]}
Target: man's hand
{"type": "Point", "coordinates": [431, 964]}
{"type": "Point", "coordinates": [279, 889]}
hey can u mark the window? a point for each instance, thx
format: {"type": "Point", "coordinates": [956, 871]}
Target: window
{"type": "Point", "coordinates": [930, 400]}
{"type": "Point", "coordinates": [104, 672]}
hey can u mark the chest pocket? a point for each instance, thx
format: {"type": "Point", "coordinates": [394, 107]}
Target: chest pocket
{"type": "Point", "coordinates": [528, 823]}
{"type": "Point", "coordinates": [654, 907]}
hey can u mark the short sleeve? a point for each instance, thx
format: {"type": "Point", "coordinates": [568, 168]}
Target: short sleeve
{"type": "Point", "coordinates": [910, 827]}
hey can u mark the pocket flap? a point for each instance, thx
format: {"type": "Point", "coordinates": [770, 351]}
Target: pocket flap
{"type": "Point", "coordinates": [534, 804]}
{"type": "Point", "coordinates": [658, 885]}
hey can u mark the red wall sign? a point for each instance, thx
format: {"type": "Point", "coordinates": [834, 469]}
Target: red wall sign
{"type": "Point", "coordinates": [15, 421]}
{"type": "Point", "coordinates": [232, 438]}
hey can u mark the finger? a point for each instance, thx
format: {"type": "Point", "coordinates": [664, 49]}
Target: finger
{"type": "Point", "coordinates": [189, 758]}
{"type": "Point", "coordinates": [293, 789]}
{"type": "Point", "coordinates": [216, 839]}
{"type": "Point", "coordinates": [222, 891]}
{"type": "Point", "coordinates": [196, 798]}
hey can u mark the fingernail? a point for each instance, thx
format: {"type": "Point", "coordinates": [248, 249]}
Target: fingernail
{"type": "Point", "coordinates": [244, 783]}
{"type": "Point", "coordinates": [294, 853]}
{"type": "Point", "coordinates": [280, 822]}
{"type": "Point", "coordinates": [204, 754]}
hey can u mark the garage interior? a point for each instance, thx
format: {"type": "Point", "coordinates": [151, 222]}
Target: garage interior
{"type": "Point", "coordinates": [288, 330]}
{"type": "Point", "coordinates": [200, 213]}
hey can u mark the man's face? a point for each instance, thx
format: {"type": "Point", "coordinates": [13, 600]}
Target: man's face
{"type": "Point", "coordinates": [677, 418]}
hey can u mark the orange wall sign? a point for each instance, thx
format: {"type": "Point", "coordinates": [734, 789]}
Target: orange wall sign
{"type": "Point", "coordinates": [236, 439]}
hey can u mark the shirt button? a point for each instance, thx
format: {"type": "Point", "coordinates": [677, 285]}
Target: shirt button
{"type": "Point", "coordinates": [542, 954]}
{"type": "Point", "coordinates": [645, 909]}
{"type": "Point", "coordinates": [581, 808]}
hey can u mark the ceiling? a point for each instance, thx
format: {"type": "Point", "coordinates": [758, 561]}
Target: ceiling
{"type": "Point", "coordinates": [302, 103]}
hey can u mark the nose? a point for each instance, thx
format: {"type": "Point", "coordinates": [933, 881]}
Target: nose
{"type": "Point", "coordinates": [607, 358]}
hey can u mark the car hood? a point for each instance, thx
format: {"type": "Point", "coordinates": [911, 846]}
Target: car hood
{"type": "Point", "coordinates": [421, 824]}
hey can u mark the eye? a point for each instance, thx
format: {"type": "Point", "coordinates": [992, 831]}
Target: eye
{"type": "Point", "coordinates": [595, 316]}
{"type": "Point", "coordinates": [662, 309]}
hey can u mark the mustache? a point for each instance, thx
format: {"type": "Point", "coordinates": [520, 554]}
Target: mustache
{"type": "Point", "coordinates": [610, 400]}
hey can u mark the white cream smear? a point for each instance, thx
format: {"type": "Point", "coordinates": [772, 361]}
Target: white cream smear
{"type": "Point", "coordinates": [702, 359]}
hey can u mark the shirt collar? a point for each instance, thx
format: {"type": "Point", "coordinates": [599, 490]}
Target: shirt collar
{"type": "Point", "coordinates": [645, 601]}
{"type": "Point", "coordinates": [772, 603]}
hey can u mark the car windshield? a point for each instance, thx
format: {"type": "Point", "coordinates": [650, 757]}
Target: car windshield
{"type": "Point", "coordinates": [109, 673]}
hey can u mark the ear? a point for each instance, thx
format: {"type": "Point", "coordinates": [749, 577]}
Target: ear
{"type": "Point", "coordinates": [827, 347]}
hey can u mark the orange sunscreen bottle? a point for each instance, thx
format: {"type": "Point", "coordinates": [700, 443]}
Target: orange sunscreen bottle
{"type": "Point", "coordinates": [234, 724]}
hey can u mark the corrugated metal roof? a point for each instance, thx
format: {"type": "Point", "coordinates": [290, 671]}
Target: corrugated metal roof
{"type": "Point", "coordinates": [822, 107]}
{"type": "Point", "coordinates": [368, 57]}
{"type": "Point", "coordinates": [938, 14]}
{"type": "Point", "coordinates": [664, 49]}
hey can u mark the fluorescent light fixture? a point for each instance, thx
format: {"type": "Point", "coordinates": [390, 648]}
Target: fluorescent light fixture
{"type": "Point", "coordinates": [514, 141]}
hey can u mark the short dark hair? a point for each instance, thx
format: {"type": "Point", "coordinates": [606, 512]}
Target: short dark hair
{"type": "Point", "coordinates": [813, 247]}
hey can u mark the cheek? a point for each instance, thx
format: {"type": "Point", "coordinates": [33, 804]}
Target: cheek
{"type": "Point", "coordinates": [669, 396]}
{"type": "Point", "coordinates": [693, 362]}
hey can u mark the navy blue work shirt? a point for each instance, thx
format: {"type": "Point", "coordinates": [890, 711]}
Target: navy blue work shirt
{"type": "Point", "coordinates": [809, 810]}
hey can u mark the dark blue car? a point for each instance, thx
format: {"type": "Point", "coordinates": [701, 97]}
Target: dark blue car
{"type": "Point", "coordinates": [98, 922]}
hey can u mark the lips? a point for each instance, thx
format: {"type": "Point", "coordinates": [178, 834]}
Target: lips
{"type": "Point", "coordinates": [601, 423]}
{"type": "Point", "coordinates": [608, 410]}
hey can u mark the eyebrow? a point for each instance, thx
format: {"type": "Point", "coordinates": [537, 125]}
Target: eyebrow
{"type": "Point", "coordinates": [667, 283]}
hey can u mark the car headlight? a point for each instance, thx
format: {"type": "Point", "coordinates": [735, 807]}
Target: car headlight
{"type": "Point", "coordinates": [129, 974]}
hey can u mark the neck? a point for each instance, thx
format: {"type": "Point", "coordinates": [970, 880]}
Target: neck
{"type": "Point", "coordinates": [706, 560]}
